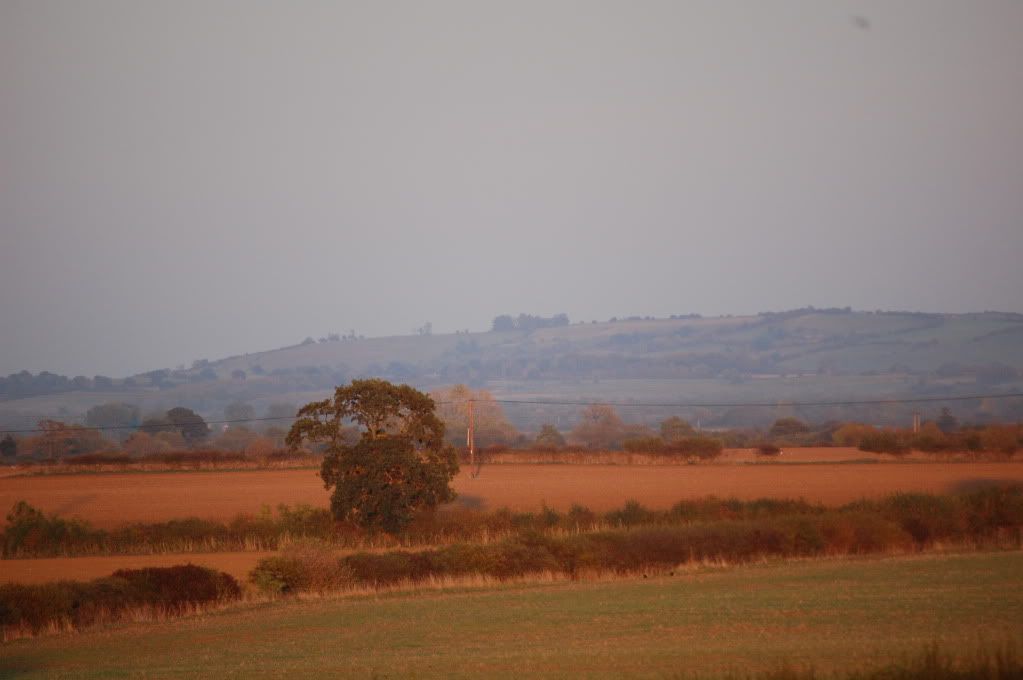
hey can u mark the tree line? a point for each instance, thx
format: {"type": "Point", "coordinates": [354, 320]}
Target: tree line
{"type": "Point", "coordinates": [115, 426]}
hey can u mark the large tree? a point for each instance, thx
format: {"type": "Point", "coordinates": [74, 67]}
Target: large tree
{"type": "Point", "coordinates": [119, 418]}
{"type": "Point", "coordinates": [599, 427]}
{"type": "Point", "coordinates": [491, 427]}
{"type": "Point", "coordinates": [400, 464]}
{"type": "Point", "coordinates": [189, 423]}
{"type": "Point", "coordinates": [675, 429]}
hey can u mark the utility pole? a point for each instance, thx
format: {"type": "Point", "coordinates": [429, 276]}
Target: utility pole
{"type": "Point", "coordinates": [470, 441]}
{"type": "Point", "coordinates": [916, 422]}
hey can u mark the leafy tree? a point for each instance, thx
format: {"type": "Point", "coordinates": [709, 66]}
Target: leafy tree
{"type": "Point", "coordinates": [236, 438]}
{"type": "Point", "coordinates": [503, 322]}
{"type": "Point", "coordinates": [239, 410]}
{"type": "Point", "coordinates": [156, 423]}
{"type": "Point", "coordinates": [189, 423]}
{"type": "Point", "coordinates": [491, 426]}
{"type": "Point", "coordinates": [280, 410]}
{"type": "Point", "coordinates": [947, 422]}
{"type": "Point", "coordinates": [141, 444]}
{"type": "Point", "coordinates": [206, 374]}
{"type": "Point", "coordinates": [400, 464]}
{"type": "Point", "coordinates": [675, 429]}
{"type": "Point", "coordinates": [599, 427]}
{"type": "Point", "coordinates": [784, 427]}
{"type": "Point", "coordinates": [102, 382]}
{"type": "Point", "coordinates": [549, 438]}
{"type": "Point", "coordinates": [122, 416]}
{"type": "Point", "coordinates": [59, 439]}
{"type": "Point", "coordinates": [8, 447]}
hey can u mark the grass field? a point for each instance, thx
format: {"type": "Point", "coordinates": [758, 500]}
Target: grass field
{"type": "Point", "coordinates": [832, 614]}
{"type": "Point", "coordinates": [109, 500]}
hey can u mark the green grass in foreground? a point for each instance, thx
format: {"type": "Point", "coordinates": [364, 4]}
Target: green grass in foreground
{"type": "Point", "coordinates": [834, 615]}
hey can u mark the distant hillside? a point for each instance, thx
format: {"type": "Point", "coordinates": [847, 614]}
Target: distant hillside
{"type": "Point", "coordinates": [986, 346]}
{"type": "Point", "coordinates": [835, 353]}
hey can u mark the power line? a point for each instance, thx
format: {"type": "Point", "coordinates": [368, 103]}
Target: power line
{"type": "Point", "coordinates": [592, 402]}
{"type": "Point", "coordinates": [780, 402]}
{"type": "Point", "coordinates": [162, 426]}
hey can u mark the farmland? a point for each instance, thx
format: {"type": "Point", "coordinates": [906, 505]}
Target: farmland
{"type": "Point", "coordinates": [831, 614]}
{"type": "Point", "coordinates": [109, 500]}
{"type": "Point", "coordinates": [46, 569]}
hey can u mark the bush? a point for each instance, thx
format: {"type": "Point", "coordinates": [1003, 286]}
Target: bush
{"type": "Point", "coordinates": [884, 442]}
{"type": "Point", "coordinates": [99, 459]}
{"type": "Point", "coordinates": [631, 515]}
{"type": "Point", "coordinates": [307, 564]}
{"type": "Point", "coordinates": [644, 445]}
{"type": "Point", "coordinates": [926, 518]}
{"type": "Point", "coordinates": [30, 532]}
{"type": "Point", "coordinates": [174, 587]}
{"type": "Point", "coordinates": [699, 447]}
{"type": "Point", "coordinates": [167, 590]}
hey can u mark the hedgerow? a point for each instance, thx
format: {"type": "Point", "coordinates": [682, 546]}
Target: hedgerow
{"type": "Point", "coordinates": [899, 523]}
{"type": "Point", "coordinates": [160, 590]}
{"type": "Point", "coordinates": [926, 518]}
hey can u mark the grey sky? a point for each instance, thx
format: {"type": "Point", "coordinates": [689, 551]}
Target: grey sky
{"type": "Point", "coordinates": [196, 179]}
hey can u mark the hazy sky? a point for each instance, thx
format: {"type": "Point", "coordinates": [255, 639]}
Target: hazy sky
{"type": "Point", "coordinates": [195, 179]}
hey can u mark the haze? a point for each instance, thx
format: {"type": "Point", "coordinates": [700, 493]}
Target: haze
{"type": "Point", "coordinates": [197, 179]}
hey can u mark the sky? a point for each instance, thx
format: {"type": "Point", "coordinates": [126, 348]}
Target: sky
{"type": "Point", "coordinates": [184, 179]}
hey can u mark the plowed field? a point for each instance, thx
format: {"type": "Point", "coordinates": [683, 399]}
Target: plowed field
{"type": "Point", "coordinates": [109, 500]}
{"type": "Point", "coordinates": [44, 570]}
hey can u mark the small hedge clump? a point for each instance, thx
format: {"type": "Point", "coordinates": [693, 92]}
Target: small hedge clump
{"type": "Point", "coordinates": [163, 590]}
{"type": "Point", "coordinates": [30, 532]}
{"type": "Point", "coordinates": [306, 565]}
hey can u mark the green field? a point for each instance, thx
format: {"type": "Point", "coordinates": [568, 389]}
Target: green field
{"type": "Point", "coordinates": [840, 614]}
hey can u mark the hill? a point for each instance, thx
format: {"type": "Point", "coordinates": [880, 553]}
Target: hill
{"type": "Point", "coordinates": [801, 355]}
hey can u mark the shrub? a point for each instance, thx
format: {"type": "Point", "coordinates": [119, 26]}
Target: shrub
{"type": "Point", "coordinates": [167, 590]}
{"type": "Point", "coordinates": [885, 441]}
{"type": "Point", "coordinates": [1000, 439]}
{"type": "Point", "coordinates": [308, 564]}
{"type": "Point", "coordinates": [631, 515]}
{"type": "Point", "coordinates": [644, 445]}
{"type": "Point", "coordinates": [30, 532]}
{"type": "Point", "coordinates": [99, 459]}
{"type": "Point", "coordinates": [926, 518]}
{"type": "Point", "coordinates": [993, 509]}
{"type": "Point", "coordinates": [698, 447]}
{"type": "Point", "coordinates": [580, 518]}
{"type": "Point", "coordinates": [175, 587]}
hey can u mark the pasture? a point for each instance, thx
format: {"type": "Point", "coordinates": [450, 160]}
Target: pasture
{"type": "Point", "coordinates": [831, 614]}
{"type": "Point", "coordinates": [110, 500]}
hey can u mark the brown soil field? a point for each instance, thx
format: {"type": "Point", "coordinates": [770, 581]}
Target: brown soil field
{"type": "Point", "coordinates": [829, 454]}
{"type": "Point", "coordinates": [46, 570]}
{"type": "Point", "coordinates": [108, 500]}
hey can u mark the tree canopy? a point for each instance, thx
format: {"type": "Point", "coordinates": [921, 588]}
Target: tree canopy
{"type": "Point", "coordinates": [599, 427]}
{"type": "Point", "coordinates": [400, 464]}
{"type": "Point", "coordinates": [491, 425]}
